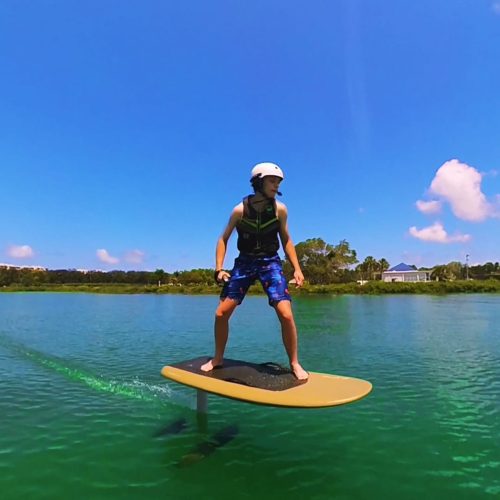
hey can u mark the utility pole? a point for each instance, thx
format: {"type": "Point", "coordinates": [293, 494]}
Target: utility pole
{"type": "Point", "coordinates": [467, 267]}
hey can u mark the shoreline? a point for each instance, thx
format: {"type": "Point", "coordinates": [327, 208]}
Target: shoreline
{"type": "Point", "coordinates": [370, 288]}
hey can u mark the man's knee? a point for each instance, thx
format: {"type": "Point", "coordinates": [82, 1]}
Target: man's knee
{"type": "Point", "coordinates": [225, 309]}
{"type": "Point", "coordinates": [221, 314]}
{"type": "Point", "coordinates": [284, 311]}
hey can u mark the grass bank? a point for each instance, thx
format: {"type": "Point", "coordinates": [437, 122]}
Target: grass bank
{"type": "Point", "coordinates": [370, 288]}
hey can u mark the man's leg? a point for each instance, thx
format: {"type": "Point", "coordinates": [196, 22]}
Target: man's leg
{"type": "Point", "coordinates": [289, 334]}
{"type": "Point", "coordinates": [221, 332]}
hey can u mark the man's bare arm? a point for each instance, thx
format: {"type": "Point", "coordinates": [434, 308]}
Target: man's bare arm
{"type": "Point", "coordinates": [221, 248]}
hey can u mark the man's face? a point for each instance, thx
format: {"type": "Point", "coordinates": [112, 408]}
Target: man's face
{"type": "Point", "coordinates": [271, 185]}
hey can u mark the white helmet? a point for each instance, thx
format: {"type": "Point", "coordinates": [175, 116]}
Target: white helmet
{"type": "Point", "coordinates": [267, 168]}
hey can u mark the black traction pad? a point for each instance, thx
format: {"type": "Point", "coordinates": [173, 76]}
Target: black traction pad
{"type": "Point", "coordinates": [269, 376]}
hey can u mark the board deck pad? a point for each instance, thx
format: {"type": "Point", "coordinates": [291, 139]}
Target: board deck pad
{"type": "Point", "coordinates": [269, 376]}
{"type": "Point", "coordinates": [268, 383]}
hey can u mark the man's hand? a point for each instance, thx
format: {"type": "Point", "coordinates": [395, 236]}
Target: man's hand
{"type": "Point", "coordinates": [221, 276]}
{"type": "Point", "coordinates": [299, 278]}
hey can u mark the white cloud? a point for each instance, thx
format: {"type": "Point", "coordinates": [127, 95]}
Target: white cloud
{"type": "Point", "coordinates": [104, 256]}
{"type": "Point", "coordinates": [20, 252]}
{"type": "Point", "coordinates": [460, 185]}
{"type": "Point", "coordinates": [429, 207]}
{"type": "Point", "coordinates": [437, 234]}
{"type": "Point", "coordinates": [135, 257]}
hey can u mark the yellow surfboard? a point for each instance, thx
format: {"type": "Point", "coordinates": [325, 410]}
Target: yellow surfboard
{"type": "Point", "coordinates": [268, 384]}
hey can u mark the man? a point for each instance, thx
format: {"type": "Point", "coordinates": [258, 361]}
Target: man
{"type": "Point", "coordinates": [259, 220]}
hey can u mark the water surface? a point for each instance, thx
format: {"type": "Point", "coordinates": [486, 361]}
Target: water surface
{"type": "Point", "coordinates": [85, 412]}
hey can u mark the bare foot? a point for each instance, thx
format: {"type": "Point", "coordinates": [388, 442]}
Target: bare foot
{"type": "Point", "coordinates": [210, 365]}
{"type": "Point", "coordinates": [299, 372]}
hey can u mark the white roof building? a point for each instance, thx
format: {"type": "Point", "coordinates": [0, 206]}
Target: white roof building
{"type": "Point", "coordinates": [404, 272]}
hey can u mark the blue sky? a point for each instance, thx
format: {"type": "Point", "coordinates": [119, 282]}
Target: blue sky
{"type": "Point", "coordinates": [128, 129]}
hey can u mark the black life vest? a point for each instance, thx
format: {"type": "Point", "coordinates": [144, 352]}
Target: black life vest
{"type": "Point", "coordinates": [258, 231]}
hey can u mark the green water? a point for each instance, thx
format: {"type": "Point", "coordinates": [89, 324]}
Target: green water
{"type": "Point", "coordinates": [84, 410]}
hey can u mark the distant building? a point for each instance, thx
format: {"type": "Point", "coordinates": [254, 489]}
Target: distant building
{"type": "Point", "coordinates": [13, 266]}
{"type": "Point", "coordinates": [404, 272]}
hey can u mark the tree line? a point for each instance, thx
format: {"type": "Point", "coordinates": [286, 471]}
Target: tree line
{"type": "Point", "coordinates": [322, 264]}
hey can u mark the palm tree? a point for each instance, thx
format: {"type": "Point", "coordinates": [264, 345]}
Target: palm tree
{"type": "Point", "coordinates": [370, 266]}
{"type": "Point", "coordinates": [383, 265]}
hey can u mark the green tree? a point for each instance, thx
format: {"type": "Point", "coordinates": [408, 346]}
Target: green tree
{"type": "Point", "coordinates": [343, 256]}
{"type": "Point", "coordinates": [367, 268]}
{"type": "Point", "coordinates": [323, 263]}
{"type": "Point", "coordinates": [371, 266]}
{"type": "Point", "coordinates": [160, 276]}
{"type": "Point", "coordinates": [441, 273]}
{"type": "Point", "coordinates": [456, 270]}
{"type": "Point", "coordinates": [8, 276]}
{"type": "Point", "coordinates": [383, 265]}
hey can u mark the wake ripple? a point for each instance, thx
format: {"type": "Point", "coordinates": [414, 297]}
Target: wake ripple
{"type": "Point", "coordinates": [135, 389]}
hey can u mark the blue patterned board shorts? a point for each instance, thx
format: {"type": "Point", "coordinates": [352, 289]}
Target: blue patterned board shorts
{"type": "Point", "coordinates": [267, 270]}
